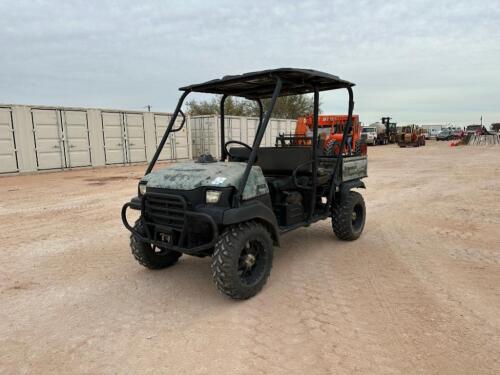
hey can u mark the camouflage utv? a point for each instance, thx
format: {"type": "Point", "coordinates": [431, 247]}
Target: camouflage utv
{"type": "Point", "coordinates": [236, 209]}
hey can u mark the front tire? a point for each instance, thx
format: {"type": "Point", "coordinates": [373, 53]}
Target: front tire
{"type": "Point", "coordinates": [242, 260]}
{"type": "Point", "coordinates": [150, 256]}
{"type": "Point", "coordinates": [348, 217]}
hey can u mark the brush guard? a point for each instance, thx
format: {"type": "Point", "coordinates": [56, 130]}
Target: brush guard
{"type": "Point", "coordinates": [166, 221]}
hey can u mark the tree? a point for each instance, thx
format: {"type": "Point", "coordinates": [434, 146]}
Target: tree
{"type": "Point", "coordinates": [286, 107]}
{"type": "Point", "coordinates": [289, 107]}
{"type": "Point", "coordinates": [233, 107]}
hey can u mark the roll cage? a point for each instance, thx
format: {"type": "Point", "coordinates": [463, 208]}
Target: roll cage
{"type": "Point", "coordinates": [264, 85]}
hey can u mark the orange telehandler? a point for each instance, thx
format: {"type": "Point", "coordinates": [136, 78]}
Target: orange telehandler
{"type": "Point", "coordinates": [330, 130]}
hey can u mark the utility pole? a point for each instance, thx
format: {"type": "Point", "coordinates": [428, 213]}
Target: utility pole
{"type": "Point", "coordinates": [148, 107]}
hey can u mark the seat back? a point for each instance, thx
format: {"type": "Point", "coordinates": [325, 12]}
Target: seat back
{"type": "Point", "coordinates": [279, 160]}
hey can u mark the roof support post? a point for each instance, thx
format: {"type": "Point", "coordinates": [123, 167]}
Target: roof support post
{"type": "Point", "coordinates": [222, 131]}
{"type": "Point", "coordinates": [258, 140]}
{"type": "Point", "coordinates": [261, 113]}
{"type": "Point", "coordinates": [314, 152]}
{"type": "Point", "coordinates": [335, 176]}
{"type": "Point", "coordinates": [168, 131]}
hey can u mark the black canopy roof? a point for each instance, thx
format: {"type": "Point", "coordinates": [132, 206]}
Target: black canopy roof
{"type": "Point", "coordinates": [261, 84]}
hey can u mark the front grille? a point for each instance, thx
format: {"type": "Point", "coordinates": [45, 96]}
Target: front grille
{"type": "Point", "coordinates": [165, 209]}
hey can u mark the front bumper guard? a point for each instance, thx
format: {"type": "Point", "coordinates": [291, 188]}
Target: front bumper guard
{"type": "Point", "coordinates": [187, 214]}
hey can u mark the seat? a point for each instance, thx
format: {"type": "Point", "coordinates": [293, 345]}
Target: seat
{"type": "Point", "coordinates": [277, 160]}
{"type": "Point", "coordinates": [279, 163]}
{"type": "Point", "coordinates": [284, 160]}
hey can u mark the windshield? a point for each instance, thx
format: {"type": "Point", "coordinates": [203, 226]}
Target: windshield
{"type": "Point", "coordinates": [368, 130]}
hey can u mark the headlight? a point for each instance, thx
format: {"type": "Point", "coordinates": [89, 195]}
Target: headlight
{"type": "Point", "coordinates": [142, 188]}
{"type": "Point", "coordinates": [212, 196]}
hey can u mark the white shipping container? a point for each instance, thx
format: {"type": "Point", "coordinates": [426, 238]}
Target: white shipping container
{"type": "Point", "coordinates": [8, 155]}
{"type": "Point", "coordinates": [205, 132]}
{"type": "Point", "coordinates": [177, 146]}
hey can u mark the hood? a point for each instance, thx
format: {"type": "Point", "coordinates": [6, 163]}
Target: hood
{"type": "Point", "coordinates": [191, 175]}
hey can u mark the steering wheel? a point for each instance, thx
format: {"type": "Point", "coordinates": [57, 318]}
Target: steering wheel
{"type": "Point", "coordinates": [238, 143]}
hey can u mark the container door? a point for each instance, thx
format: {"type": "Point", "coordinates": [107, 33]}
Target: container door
{"type": "Point", "coordinates": [233, 130]}
{"type": "Point", "coordinates": [211, 137]}
{"type": "Point", "coordinates": [134, 137]}
{"type": "Point", "coordinates": [203, 132]}
{"type": "Point", "coordinates": [8, 156]}
{"type": "Point", "coordinates": [181, 141]}
{"type": "Point", "coordinates": [76, 138]}
{"type": "Point", "coordinates": [194, 125]}
{"type": "Point", "coordinates": [251, 129]}
{"type": "Point", "coordinates": [49, 146]}
{"type": "Point", "coordinates": [161, 123]}
{"type": "Point", "coordinates": [113, 135]}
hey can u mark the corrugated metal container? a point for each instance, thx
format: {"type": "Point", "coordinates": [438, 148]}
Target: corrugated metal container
{"type": "Point", "coordinates": [8, 153]}
{"type": "Point", "coordinates": [205, 132]}
{"type": "Point", "coordinates": [36, 138]}
{"type": "Point", "coordinates": [178, 143]}
{"type": "Point", "coordinates": [204, 135]}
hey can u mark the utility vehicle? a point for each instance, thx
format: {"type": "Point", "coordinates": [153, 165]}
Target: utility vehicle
{"type": "Point", "coordinates": [237, 208]}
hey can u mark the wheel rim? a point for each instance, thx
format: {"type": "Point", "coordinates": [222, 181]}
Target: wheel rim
{"type": "Point", "coordinates": [251, 263]}
{"type": "Point", "coordinates": [357, 217]}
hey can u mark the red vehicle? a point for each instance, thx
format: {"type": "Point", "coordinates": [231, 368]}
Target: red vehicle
{"type": "Point", "coordinates": [330, 131]}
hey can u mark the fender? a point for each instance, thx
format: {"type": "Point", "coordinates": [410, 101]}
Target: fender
{"type": "Point", "coordinates": [347, 186]}
{"type": "Point", "coordinates": [255, 210]}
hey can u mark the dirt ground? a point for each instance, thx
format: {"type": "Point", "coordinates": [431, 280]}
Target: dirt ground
{"type": "Point", "coordinates": [419, 292]}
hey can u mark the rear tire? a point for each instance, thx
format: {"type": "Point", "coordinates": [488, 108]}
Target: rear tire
{"type": "Point", "coordinates": [360, 148]}
{"type": "Point", "coordinates": [348, 217]}
{"type": "Point", "coordinates": [242, 260]}
{"type": "Point", "coordinates": [150, 256]}
{"type": "Point", "coordinates": [332, 148]}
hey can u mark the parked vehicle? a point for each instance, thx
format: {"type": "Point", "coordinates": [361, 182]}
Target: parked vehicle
{"type": "Point", "coordinates": [432, 132]}
{"type": "Point", "coordinates": [374, 134]}
{"type": "Point", "coordinates": [444, 135]}
{"type": "Point", "coordinates": [411, 135]}
{"type": "Point", "coordinates": [390, 129]}
{"type": "Point", "coordinates": [237, 208]}
{"type": "Point", "coordinates": [330, 133]}
{"type": "Point", "coordinates": [473, 129]}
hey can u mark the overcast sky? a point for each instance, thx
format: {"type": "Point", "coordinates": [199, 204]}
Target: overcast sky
{"type": "Point", "coordinates": [419, 61]}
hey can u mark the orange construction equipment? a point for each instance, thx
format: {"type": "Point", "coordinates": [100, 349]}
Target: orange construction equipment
{"type": "Point", "coordinates": [330, 132]}
{"type": "Point", "coordinates": [411, 135]}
